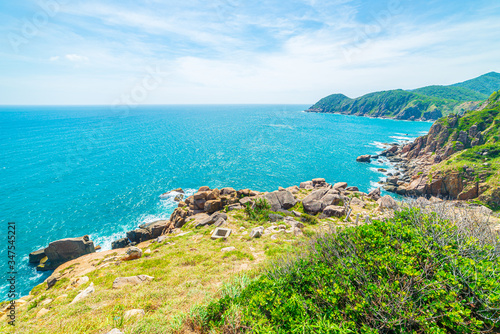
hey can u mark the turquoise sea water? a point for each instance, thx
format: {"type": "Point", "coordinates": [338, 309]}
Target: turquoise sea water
{"type": "Point", "coordinates": [71, 171]}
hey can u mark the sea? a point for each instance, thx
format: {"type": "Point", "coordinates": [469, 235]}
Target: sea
{"type": "Point", "coordinates": [69, 171]}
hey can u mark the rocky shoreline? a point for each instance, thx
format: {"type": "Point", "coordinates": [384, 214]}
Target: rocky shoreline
{"type": "Point", "coordinates": [414, 162]}
{"type": "Point", "coordinates": [211, 207]}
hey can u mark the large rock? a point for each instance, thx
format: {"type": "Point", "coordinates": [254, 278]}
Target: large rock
{"type": "Point", "coordinates": [139, 235]}
{"type": "Point", "coordinates": [120, 243]}
{"type": "Point", "coordinates": [364, 158]}
{"type": "Point", "coordinates": [257, 232]}
{"type": "Point", "coordinates": [375, 194]}
{"type": "Point", "coordinates": [84, 294]}
{"type": "Point", "coordinates": [178, 217]}
{"type": "Point", "coordinates": [334, 211]}
{"type": "Point", "coordinates": [316, 201]}
{"type": "Point", "coordinates": [387, 202]}
{"type": "Point", "coordinates": [64, 250]}
{"type": "Point", "coordinates": [213, 205]}
{"type": "Point", "coordinates": [132, 254]}
{"type": "Point", "coordinates": [280, 200]}
{"type": "Point", "coordinates": [212, 219]}
{"type": "Point", "coordinates": [132, 280]}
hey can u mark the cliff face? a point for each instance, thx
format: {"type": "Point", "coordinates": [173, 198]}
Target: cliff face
{"type": "Point", "coordinates": [427, 103]}
{"type": "Point", "coordinates": [458, 159]}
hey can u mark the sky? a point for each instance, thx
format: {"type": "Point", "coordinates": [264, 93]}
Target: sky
{"type": "Point", "coordinates": [234, 52]}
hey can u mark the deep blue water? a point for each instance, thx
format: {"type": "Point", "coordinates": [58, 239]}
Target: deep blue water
{"type": "Point", "coordinates": [71, 171]}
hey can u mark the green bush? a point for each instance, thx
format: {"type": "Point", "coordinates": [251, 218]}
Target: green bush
{"type": "Point", "coordinates": [415, 273]}
{"type": "Point", "coordinates": [260, 210]}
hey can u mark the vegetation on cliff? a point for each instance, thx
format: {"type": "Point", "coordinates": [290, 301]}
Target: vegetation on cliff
{"type": "Point", "coordinates": [419, 272]}
{"type": "Point", "coordinates": [428, 103]}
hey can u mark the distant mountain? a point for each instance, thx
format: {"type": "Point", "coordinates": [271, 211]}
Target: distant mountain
{"type": "Point", "coordinates": [427, 103]}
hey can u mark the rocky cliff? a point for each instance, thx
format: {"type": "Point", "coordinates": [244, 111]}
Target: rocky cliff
{"type": "Point", "coordinates": [458, 159]}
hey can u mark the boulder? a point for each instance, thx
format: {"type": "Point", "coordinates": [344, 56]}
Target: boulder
{"type": "Point", "coordinates": [364, 158]}
{"type": "Point", "coordinates": [64, 250]}
{"type": "Point", "coordinates": [247, 200]}
{"type": "Point", "coordinates": [84, 294]}
{"type": "Point", "coordinates": [234, 207]}
{"type": "Point", "coordinates": [306, 185]}
{"type": "Point", "coordinates": [139, 235]}
{"type": "Point", "coordinates": [212, 219]}
{"type": "Point", "coordinates": [274, 217]}
{"type": "Point", "coordinates": [334, 211]}
{"type": "Point", "coordinates": [340, 185]}
{"type": "Point", "coordinates": [131, 280]}
{"type": "Point", "coordinates": [375, 194]}
{"type": "Point", "coordinates": [280, 200]}
{"type": "Point", "coordinates": [352, 189]}
{"type": "Point", "coordinates": [213, 205]}
{"type": "Point", "coordinates": [257, 232]}
{"type": "Point", "coordinates": [228, 249]}
{"type": "Point", "coordinates": [120, 243]}
{"type": "Point", "coordinates": [43, 311]}
{"type": "Point", "coordinates": [132, 254]}
{"type": "Point", "coordinates": [178, 217]}
{"type": "Point", "coordinates": [227, 191]}
{"type": "Point", "coordinates": [204, 188]}
{"type": "Point", "coordinates": [387, 202]}
{"type": "Point", "coordinates": [316, 201]}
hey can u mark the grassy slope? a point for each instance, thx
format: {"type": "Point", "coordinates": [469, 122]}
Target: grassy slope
{"type": "Point", "coordinates": [186, 273]}
{"type": "Point", "coordinates": [418, 102]}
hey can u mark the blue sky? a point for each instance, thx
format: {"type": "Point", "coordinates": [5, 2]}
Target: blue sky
{"type": "Point", "coordinates": [233, 51]}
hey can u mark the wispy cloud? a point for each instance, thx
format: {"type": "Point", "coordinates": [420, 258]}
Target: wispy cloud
{"type": "Point", "coordinates": [230, 51]}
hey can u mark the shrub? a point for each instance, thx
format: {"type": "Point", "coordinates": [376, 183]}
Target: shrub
{"type": "Point", "coordinates": [260, 210]}
{"type": "Point", "coordinates": [419, 272]}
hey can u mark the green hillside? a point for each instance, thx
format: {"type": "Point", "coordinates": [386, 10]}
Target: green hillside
{"type": "Point", "coordinates": [427, 103]}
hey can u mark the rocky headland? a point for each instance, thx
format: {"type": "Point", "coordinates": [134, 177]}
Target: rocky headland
{"type": "Point", "coordinates": [457, 160]}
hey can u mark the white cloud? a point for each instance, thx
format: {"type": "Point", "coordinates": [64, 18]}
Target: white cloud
{"type": "Point", "coordinates": [76, 58]}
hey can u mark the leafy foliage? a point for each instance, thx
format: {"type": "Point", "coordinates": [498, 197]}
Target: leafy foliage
{"type": "Point", "coordinates": [417, 273]}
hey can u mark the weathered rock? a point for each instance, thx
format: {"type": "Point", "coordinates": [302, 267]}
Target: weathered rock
{"type": "Point", "coordinates": [228, 249]}
{"type": "Point", "coordinates": [178, 217]}
{"type": "Point", "coordinates": [274, 217]}
{"type": "Point", "coordinates": [306, 185]}
{"type": "Point", "coordinates": [204, 188]}
{"type": "Point", "coordinates": [64, 250]}
{"type": "Point", "coordinates": [352, 189]}
{"type": "Point", "coordinates": [51, 281]}
{"type": "Point", "coordinates": [257, 232]}
{"type": "Point", "coordinates": [387, 202]}
{"type": "Point", "coordinates": [120, 243]}
{"type": "Point", "coordinates": [280, 200]}
{"type": "Point", "coordinates": [247, 200]}
{"type": "Point", "coordinates": [334, 211]}
{"type": "Point", "coordinates": [136, 313]}
{"type": "Point", "coordinates": [132, 254]}
{"type": "Point", "coordinates": [227, 191]}
{"type": "Point", "coordinates": [364, 158]}
{"type": "Point", "coordinates": [139, 235]}
{"type": "Point", "coordinates": [36, 256]}
{"type": "Point", "coordinates": [213, 205]}
{"type": "Point", "coordinates": [132, 280]}
{"type": "Point", "coordinates": [84, 294]}
{"type": "Point", "coordinates": [340, 185]}
{"type": "Point", "coordinates": [234, 207]}
{"type": "Point", "coordinates": [212, 219]}
{"type": "Point", "coordinates": [375, 194]}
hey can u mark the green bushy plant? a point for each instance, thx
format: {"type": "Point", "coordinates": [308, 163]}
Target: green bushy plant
{"type": "Point", "coordinates": [415, 273]}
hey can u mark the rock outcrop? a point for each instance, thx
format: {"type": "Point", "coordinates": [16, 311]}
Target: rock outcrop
{"type": "Point", "coordinates": [63, 250]}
